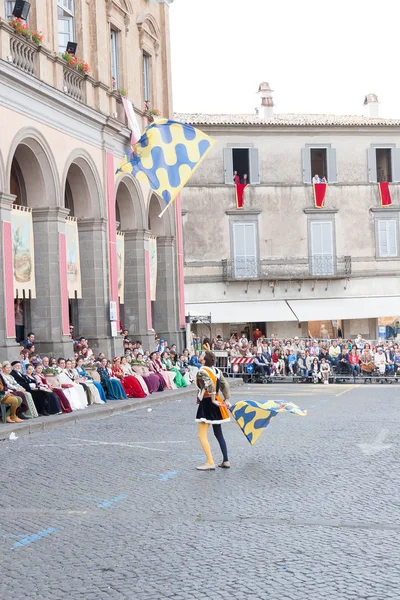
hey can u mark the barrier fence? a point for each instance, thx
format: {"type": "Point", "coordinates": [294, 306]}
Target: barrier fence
{"type": "Point", "coordinates": [246, 369]}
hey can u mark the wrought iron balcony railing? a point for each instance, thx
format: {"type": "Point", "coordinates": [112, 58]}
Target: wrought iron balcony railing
{"type": "Point", "coordinates": [299, 268]}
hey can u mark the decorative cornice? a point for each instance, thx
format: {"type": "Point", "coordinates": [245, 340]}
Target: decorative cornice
{"type": "Point", "coordinates": [241, 211]}
{"type": "Point", "coordinates": [137, 235]}
{"type": "Point", "coordinates": [385, 209]}
{"type": "Point", "coordinates": [49, 213]}
{"type": "Point", "coordinates": [319, 211]}
{"type": "Point", "coordinates": [95, 224]}
{"type": "Point", "coordinates": [166, 240]}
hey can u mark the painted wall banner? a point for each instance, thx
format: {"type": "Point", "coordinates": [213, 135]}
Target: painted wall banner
{"type": "Point", "coordinates": [153, 267]}
{"type": "Point", "coordinates": [121, 265]}
{"type": "Point", "coordinates": [23, 252]}
{"type": "Point", "coordinates": [73, 258]}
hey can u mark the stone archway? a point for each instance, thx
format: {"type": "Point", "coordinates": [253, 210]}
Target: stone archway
{"type": "Point", "coordinates": [165, 308]}
{"type": "Point", "coordinates": [33, 179]}
{"type": "Point", "coordinates": [83, 197]}
{"type": "Point", "coordinates": [132, 219]}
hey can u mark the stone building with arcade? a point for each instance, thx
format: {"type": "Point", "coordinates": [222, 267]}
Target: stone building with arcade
{"type": "Point", "coordinates": [74, 240]}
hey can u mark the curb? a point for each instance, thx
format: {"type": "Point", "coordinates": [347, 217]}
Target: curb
{"type": "Point", "coordinates": [97, 412]}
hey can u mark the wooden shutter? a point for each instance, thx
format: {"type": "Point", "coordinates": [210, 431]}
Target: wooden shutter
{"type": "Point", "coordinates": [244, 250]}
{"type": "Point", "coordinates": [228, 165]}
{"type": "Point", "coordinates": [322, 256]}
{"type": "Point", "coordinates": [306, 165]}
{"type": "Point", "coordinates": [396, 165]}
{"type": "Point", "coordinates": [387, 237]}
{"type": "Point", "coordinates": [254, 165]}
{"type": "Point", "coordinates": [372, 172]}
{"type": "Point", "coordinates": [331, 165]}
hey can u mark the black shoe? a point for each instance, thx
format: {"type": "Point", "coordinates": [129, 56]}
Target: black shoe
{"type": "Point", "coordinates": [23, 418]}
{"type": "Point", "coordinates": [44, 414]}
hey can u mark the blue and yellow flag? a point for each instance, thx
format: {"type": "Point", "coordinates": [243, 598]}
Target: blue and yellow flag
{"type": "Point", "coordinates": [253, 417]}
{"type": "Point", "coordinates": [166, 156]}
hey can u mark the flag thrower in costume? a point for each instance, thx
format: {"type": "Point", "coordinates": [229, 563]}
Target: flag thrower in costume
{"type": "Point", "coordinates": [253, 417]}
{"type": "Point", "coordinates": [166, 156]}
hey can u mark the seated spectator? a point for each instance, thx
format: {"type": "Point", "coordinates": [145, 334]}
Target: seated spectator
{"type": "Point", "coordinates": [396, 360]}
{"type": "Point", "coordinates": [334, 352]}
{"type": "Point", "coordinates": [325, 370]}
{"type": "Point", "coordinates": [28, 406]}
{"type": "Point", "coordinates": [6, 397]}
{"type": "Point", "coordinates": [389, 360]}
{"type": "Point", "coordinates": [94, 390]}
{"type": "Point", "coordinates": [206, 345]}
{"type": "Point", "coordinates": [42, 382]}
{"type": "Point", "coordinates": [112, 385]}
{"type": "Point", "coordinates": [367, 361]}
{"type": "Point", "coordinates": [292, 362]}
{"type": "Point", "coordinates": [276, 363]}
{"type": "Point", "coordinates": [131, 385]}
{"type": "Point", "coordinates": [158, 367]}
{"type": "Point", "coordinates": [141, 367]}
{"type": "Point", "coordinates": [169, 363]}
{"type": "Point", "coordinates": [380, 361]}
{"type": "Point", "coordinates": [301, 364]}
{"type": "Point", "coordinates": [71, 388]}
{"type": "Point", "coordinates": [354, 361]}
{"type": "Point", "coordinates": [194, 361]}
{"type": "Point", "coordinates": [344, 367]}
{"type": "Point", "coordinates": [260, 364]}
{"type": "Point", "coordinates": [49, 400]}
{"type": "Point", "coordinates": [315, 373]}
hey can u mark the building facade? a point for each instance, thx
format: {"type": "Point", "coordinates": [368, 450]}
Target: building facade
{"type": "Point", "coordinates": [280, 263]}
{"type": "Point", "coordinates": [63, 134]}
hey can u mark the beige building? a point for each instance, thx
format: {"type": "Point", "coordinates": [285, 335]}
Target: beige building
{"type": "Point", "coordinates": [280, 263]}
{"type": "Point", "coordinates": [63, 134]}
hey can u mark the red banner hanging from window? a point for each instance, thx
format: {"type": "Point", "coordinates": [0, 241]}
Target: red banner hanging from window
{"type": "Point", "coordinates": [240, 187]}
{"type": "Point", "coordinates": [384, 192]}
{"type": "Point", "coordinates": [319, 194]}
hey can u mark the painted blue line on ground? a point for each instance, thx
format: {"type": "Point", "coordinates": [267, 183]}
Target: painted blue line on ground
{"type": "Point", "coordinates": [111, 501]}
{"type": "Point", "coordinates": [161, 476]}
{"type": "Point", "coordinates": [34, 537]}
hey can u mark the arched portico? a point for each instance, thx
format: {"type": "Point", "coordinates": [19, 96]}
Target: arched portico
{"type": "Point", "coordinates": [83, 197]}
{"type": "Point", "coordinates": [32, 178]}
{"type": "Point", "coordinates": [132, 219]}
{"type": "Point", "coordinates": [165, 308]}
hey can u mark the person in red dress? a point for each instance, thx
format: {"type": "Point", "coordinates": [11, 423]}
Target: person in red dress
{"type": "Point", "coordinates": [130, 384]}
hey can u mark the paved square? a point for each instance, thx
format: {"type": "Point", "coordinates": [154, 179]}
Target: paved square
{"type": "Point", "coordinates": [115, 508]}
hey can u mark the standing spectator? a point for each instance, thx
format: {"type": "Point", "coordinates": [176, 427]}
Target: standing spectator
{"type": "Point", "coordinates": [19, 320]}
{"type": "Point", "coordinates": [30, 340]}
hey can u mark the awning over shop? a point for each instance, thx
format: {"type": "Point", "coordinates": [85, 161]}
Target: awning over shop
{"type": "Point", "coordinates": [345, 308]}
{"type": "Point", "coordinates": [243, 312]}
{"type": "Point", "coordinates": [304, 310]}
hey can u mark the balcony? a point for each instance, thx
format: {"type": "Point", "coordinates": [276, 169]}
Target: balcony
{"type": "Point", "coordinates": [24, 54]}
{"type": "Point", "coordinates": [318, 267]}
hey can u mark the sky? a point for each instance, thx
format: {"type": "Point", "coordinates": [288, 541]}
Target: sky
{"type": "Point", "coordinates": [318, 56]}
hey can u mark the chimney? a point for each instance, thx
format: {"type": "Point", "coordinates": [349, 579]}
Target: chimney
{"type": "Point", "coordinates": [371, 100]}
{"type": "Point", "coordinates": [267, 102]}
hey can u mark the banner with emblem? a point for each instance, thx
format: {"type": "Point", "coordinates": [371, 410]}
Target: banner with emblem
{"type": "Point", "coordinates": [23, 252]}
{"type": "Point", "coordinates": [73, 258]}
{"type": "Point", "coordinates": [153, 267]}
{"type": "Point", "coordinates": [121, 265]}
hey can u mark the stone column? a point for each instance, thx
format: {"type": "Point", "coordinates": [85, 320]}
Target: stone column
{"type": "Point", "coordinates": [93, 308]}
{"type": "Point", "coordinates": [165, 309]}
{"type": "Point", "coordinates": [8, 345]}
{"type": "Point", "coordinates": [135, 301]}
{"type": "Point", "coordinates": [46, 309]}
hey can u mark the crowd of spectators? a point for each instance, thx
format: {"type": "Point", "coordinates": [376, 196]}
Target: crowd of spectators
{"type": "Point", "coordinates": [38, 385]}
{"type": "Point", "coordinates": [311, 359]}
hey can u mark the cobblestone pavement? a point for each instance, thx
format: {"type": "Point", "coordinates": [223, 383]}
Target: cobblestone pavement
{"type": "Point", "coordinates": [115, 509]}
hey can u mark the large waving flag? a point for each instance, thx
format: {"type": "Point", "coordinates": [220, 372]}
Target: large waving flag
{"type": "Point", "coordinates": [166, 156]}
{"type": "Point", "coordinates": [253, 417]}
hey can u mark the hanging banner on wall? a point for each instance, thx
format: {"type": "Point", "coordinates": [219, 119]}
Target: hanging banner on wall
{"type": "Point", "coordinates": [121, 265]}
{"type": "Point", "coordinates": [153, 267]}
{"type": "Point", "coordinates": [73, 258]}
{"type": "Point", "coordinates": [23, 252]}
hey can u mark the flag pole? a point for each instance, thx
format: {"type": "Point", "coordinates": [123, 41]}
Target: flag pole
{"type": "Point", "coordinates": [165, 209]}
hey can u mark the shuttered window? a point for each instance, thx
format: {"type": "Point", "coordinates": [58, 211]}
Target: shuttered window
{"type": "Point", "coordinates": [244, 253]}
{"type": "Point", "coordinates": [322, 259]}
{"type": "Point", "coordinates": [387, 238]}
{"type": "Point", "coordinates": [66, 23]}
{"type": "Point", "coordinates": [326, 166]}
{"type": "Point", "coordinates": [383, 164]}
{"type": "Point", "coordinates": [248, 162]}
